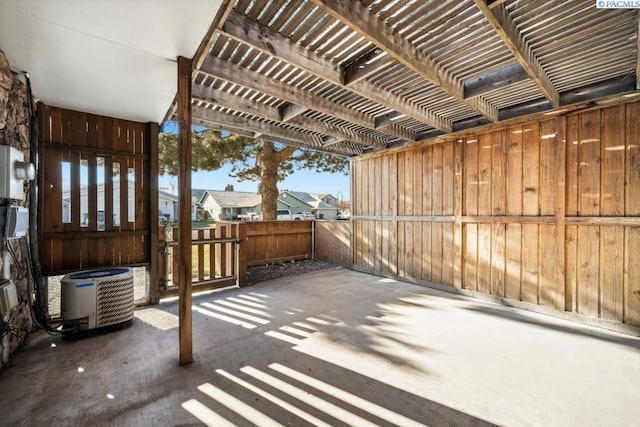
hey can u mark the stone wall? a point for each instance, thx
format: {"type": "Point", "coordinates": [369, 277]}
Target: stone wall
{"type": "Point", "coordinates": [14, 131]}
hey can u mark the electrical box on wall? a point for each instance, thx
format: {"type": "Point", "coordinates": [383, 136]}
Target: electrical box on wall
{"type": "Point", "coordinates": [17, 222]}
{"type": "Point", "coordinates": [13, 172]}
{"type": "Point", "coordinates": [8, 297]}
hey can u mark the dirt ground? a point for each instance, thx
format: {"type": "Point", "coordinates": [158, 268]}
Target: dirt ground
{"type": "Point", "coordinates": [285, 269]}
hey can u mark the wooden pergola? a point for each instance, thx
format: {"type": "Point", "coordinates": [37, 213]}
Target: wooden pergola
{"type": "Point", "coordinates": [359, 77]}
{"type": "Point", "coordinates": [355, 77]}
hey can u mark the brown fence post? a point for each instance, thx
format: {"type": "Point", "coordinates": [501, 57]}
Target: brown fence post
{"type": "Point", "coordinates": [241, 255]}
{"type": "Point", "coordinates": [159, 279]}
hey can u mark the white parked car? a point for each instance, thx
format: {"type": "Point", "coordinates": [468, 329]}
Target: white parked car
{"type": "Point", "coordinates": [308, 216]}
{"type": "Point", "coordinates": [344, 215]}
{"type": "Point", "coordinates": [286, 215]}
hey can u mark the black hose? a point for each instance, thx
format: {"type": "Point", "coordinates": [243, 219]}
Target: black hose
{"type": "Point", "coordinates": [40, 309]}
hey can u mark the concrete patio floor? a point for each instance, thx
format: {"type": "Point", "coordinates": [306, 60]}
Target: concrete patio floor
{"type": "Point", "coordinates": [331, 348]}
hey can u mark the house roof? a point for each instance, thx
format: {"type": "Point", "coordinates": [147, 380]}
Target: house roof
{"type": "Point", "coordinates": [311, 199]}
{"type": "Point", "coordinates": [167, 195]}
{"type": "Point", "coordinates": [351, 77]}
{"type": "Point", "coordinates": [115, 58]}
{"type": "Point", "coordinates": [234, 199]}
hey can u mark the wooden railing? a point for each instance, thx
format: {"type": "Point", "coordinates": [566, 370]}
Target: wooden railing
{"type": "Point", "coordinates": [221, 255]}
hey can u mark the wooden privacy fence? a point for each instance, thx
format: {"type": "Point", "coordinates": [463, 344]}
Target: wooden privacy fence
{"type": "Point", "coordinates": [546, 213]}
{"type": "Point", "coordinates": [97, 199]}
{"type": "Point", "coordinates": [333, 242]}
{"type": "Point", "coordinates": [221, 255]}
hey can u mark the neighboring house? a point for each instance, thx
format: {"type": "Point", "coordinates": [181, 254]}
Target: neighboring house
{"type": "Point", "coordinates": [118, 216]}
{"type": "Point", "coordinates": [312, 202]}
{"type": "Point", "coordinates": [327, 198]}
{"type": "Point", "coordinates": [227, 205]}
{"type": "Point", "coordinates": [168, 204]}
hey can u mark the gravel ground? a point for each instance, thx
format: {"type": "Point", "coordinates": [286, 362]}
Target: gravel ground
{"type": "Point", "coordinates": [286, 269]}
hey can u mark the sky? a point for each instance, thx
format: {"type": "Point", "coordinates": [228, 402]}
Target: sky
{"type": "Point", "coordinates": [308, 181]}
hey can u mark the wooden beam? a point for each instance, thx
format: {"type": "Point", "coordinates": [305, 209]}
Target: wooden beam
{"type": "Point", "coordinates": [234, 102]}
{"type": "Point", "coordinates": [495, 3]}
{"type": "Point", "coordinates": [255, 125]}
{"type": "Point", "coordinates": [154, 240]}
{"type": "Point", "coordinates": [332, 141]}
{"type": "Point", "coordinates": [269, 131]}
{"type": "Point", "coordinates": [249, 32]}
{"type": "Point", "coordinates": [244, 105]}
{"type": "Point", "coordinates": [357, 17]}
{"type": "Point", "coordinates": [242, 76]}
{"type": "Point", "coordinates": [501, 21]}
{"type": "Point", "coordinates": [224, 128]}
{"type": "Point", "coordinates": [638, 53]}
{"type": "Point", "coordinates": [289, 111]}
{"type": "Point", "coordinates": [336, 131]}
{"type": "Point", "coordinates": [387, 119]}
{"type": "Point", "coordinates": [184, 202]}
{"type": "Point", "coordinates": [494, 80]}
{"type": "Point", "coordinates": [365, 66]}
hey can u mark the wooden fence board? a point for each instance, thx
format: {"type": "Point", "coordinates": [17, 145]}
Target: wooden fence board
{"type": "Point", "coordinates": [484, 174]}
{"type": "Point", "coordinates": [484, 258]}
{"type": "Point", "coordinates": [416, 181]}
{"type": "Point", "coordinates": [448, 192]}
{"type": "Point", "coordinates": [588, 270]}
{"type": "Point", "coordinates": [613, 161]}
{"type": "Point", "coordinates": [427, 252]}
{"type": "Point", "coordinates": [436, 252]}
{"type": "Point", "coordinates": [551, 291]}
{"type": "Point", "coordinates": [471, 259]}
{"type": "Point", "coordinates": [471, 177]}
{"type": "Point", "coordinates": [529, 289]}
{"type": "Point", "coordinates": [632, 278]}
{"type": "Point", "coordinates": [632, 161]}
{"type": "Point", "coordinates": [530, 169]}
{"type": "Point", "coordinates": [612, 273]}
{"type": "Point", "coordinates": [513, 252]}
{"type": "Point", "coordinates": [498, 173]}
{"type": "Point", "coordinates": [514, 170]}
{"type": "Point", "coordinates": [437, 180]}
{"type": "Point", "coordinates": [498, 259]}
{"type": "Point", "coordinates": [589, 157]}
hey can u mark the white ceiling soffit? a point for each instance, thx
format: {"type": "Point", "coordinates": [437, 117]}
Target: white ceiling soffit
{"type": "Point", "coordinates": [116, 58]}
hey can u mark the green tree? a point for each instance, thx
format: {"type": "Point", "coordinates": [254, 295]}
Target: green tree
{"type": "Point", "coordinates": [250, 159]}
{"type": "Point", "coordinates": [229, 187]}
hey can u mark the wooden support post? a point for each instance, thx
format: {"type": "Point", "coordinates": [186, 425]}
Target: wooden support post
{"type": "Point", "coordinates": [241, 255]}
{"type": "Point", "coordinates": [155, 272]}
{"type": "Point", "coordinates": [184, 203]}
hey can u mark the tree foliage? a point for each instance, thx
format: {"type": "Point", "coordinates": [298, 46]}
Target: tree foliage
{"type": "Point", "coordinates": [250, 159]}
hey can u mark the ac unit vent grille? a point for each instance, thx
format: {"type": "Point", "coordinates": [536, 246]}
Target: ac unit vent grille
{"type": "Point", "coordinates": [115, 301]}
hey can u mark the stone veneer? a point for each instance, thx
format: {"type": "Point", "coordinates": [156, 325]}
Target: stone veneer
{"type": "Point", "coordinates": [14, 131]}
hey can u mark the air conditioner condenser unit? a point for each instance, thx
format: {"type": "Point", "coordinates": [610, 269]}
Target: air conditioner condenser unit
{"type": "Point", "coordinates": [96, 299]}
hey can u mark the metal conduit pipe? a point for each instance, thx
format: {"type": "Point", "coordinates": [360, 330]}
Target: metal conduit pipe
{"type": "Point", "coordinates": [6, 275]}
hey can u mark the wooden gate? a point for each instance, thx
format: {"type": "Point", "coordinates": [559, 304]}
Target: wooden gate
{"type": "Point", "coordinates": [215, 261]}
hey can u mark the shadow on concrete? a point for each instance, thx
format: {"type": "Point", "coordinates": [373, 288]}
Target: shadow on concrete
{"type": "Point", "coordinates": [556, 324]}
{"type": "Point", "coordinates": [306, 391]}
